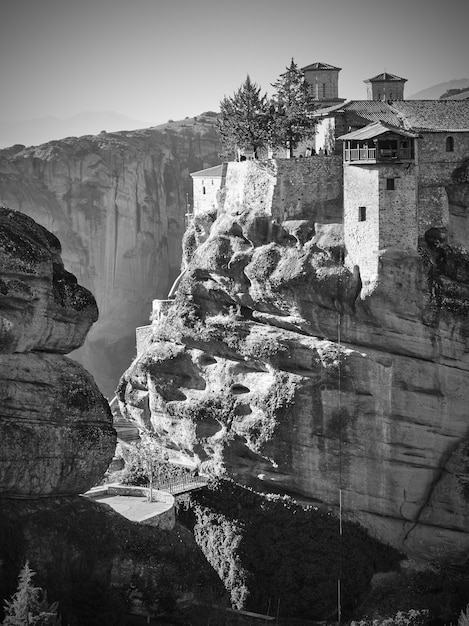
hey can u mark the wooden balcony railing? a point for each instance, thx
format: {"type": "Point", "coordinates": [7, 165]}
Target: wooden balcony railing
{"type": "Point", "coordinates": [382, 154]}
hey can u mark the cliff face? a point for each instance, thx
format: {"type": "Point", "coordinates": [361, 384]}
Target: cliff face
{"type": "Point", "coordinates": [56, 431]}
{"type": "Point", "coordinates": [273, 366]}
{"type": "Point", "coordinates": [56, 442]}
{"type": "Point", "coordinates": [117, 203]}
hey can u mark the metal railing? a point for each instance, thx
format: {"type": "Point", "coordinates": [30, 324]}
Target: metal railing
{"type": "Point", "coordinates": [179, 485]}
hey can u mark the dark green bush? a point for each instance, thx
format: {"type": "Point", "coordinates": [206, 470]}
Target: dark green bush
{"type": "Point", "coordinates": [270, 548]}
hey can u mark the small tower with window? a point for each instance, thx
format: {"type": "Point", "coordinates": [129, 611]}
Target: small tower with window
{"type": "Point", "coordinates": [323, 82]}
{"type": "Point", "coordinates": [380, 196]}
{"type": "Point", "coordinates": [385, 86]}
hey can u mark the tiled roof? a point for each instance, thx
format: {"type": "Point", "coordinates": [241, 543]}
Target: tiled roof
{"type": "Point", "coordinates": [374, 111]}
{"type": "Point", "coordinates": [385, 76]}
{"type": "Point", "coordinates": [413, 115]}
{"type": "Point", "coordinates": [433, 115]}
{"type": "Point", "coordinates": [210, 172]}
{"type": "Point", "coordinates": [375, 130]}
{"type": "Point", "coordinates": [320, 66]}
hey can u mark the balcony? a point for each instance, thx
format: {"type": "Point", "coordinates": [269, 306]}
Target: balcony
{"type": "Point", "coordinates": [378, 142]}
{"type": "Point", "coordinates": [378, 154]}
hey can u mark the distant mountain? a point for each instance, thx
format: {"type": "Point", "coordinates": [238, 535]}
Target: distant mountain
{"type": "Point", "coordinates": [37, 131]}
{"type": "Point", "coordinates": [434, 92]}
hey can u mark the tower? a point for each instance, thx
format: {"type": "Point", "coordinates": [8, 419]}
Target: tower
{"type": "Point", "coordinates": [380, 196]}
{"type": "Point", "coordinates": [323, 81]}
{"type": "Point", "coordinates": [385, 87]}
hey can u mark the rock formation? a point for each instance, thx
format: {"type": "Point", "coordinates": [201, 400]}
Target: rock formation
{"type": "Point", "coordinates": [117, 202]}
{"type": "Point", "coordinates": [56, 441]}
{"type": "Point", "coordinates": [273, 366]}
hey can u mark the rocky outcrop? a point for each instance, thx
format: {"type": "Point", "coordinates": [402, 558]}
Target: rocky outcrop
{"type": "Point", "coordinates": [56, 442]}
{"type": "Point", "coordinates": [117, 202]}
{"type": "Point", "coordinates": [55, 425]}
{"type": "Point", "coordinates": [273, 367]}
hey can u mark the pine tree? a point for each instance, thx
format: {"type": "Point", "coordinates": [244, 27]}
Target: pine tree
{"type": "Point", "coordinates": [29, 605]}
{"type": "Point", "coordinates": [244, 121]}
{"type": "Point", "coordinates": [292, 107]}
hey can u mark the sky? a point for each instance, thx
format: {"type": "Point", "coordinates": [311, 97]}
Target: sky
{"type": "Point", "coordinates": [154, 60]}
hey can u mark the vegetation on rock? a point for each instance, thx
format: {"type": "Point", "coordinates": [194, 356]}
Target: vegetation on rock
{"type": "Point", "coordinates": [29, 605]}
{"type": "Point", "coordinates": [270, 548]}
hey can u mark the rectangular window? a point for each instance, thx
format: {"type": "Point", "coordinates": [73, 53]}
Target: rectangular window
{"type": "Point", "coordinates": [203, 191]}
{"type": "Point", "coordinates": [362, 213]}
{"type": "Point", "coordinates": [390, 184]}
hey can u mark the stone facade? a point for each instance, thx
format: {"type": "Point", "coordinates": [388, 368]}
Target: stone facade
{"type": "Point", "coordinates": [323, 81]}
{"type": "Point", "coordinates": [436, 165]}
{"type": "Point", "coordinates": [380, 213]}
{"type": "Point", "coordinates": [309, 188]}
{"type": "Point", "coordinates": [206, 185]}
{"type": "Point", "coordinates": [303, 188]}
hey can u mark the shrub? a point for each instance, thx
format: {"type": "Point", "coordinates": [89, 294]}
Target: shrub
{"type": "Point", "coordinates": [237, 529]}
{"type": "Point", "coordinates": [29, 604]}
{"type": "Point", "coordinates": [402, 618]}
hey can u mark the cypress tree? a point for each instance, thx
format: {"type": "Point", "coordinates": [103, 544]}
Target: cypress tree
{"type": "Point", "coordinates": [292, 107]}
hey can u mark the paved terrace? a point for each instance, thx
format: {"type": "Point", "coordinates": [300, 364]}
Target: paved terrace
{"type": "Point", "coordinates": [134, 508]}
{"type": "Point", "coordinates": [132, 502]}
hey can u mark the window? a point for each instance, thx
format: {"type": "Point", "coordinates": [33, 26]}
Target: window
{"type": "Point", "coordinates": [390, 184]}
{"type": "Point", "coordinates": [203, 190]}
{"type": "Point", "coordinates": [449, 144]}
{"type": "Point", "coordinates": [324, 90]}
{"type": "Point", "coordinates": [362, 213]}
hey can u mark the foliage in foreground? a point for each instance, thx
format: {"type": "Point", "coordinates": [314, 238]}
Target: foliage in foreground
{"type": "Point", "coordinates": [271, 549]}
{"type": "Point", "coordinates": [402, 618]}
{"type": "Point", "coordinates": [29, 605]}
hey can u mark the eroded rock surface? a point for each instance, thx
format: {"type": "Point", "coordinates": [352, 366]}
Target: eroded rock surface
{"type": "Point", "coordinates": [117, 202]}
{"type": "Point", "coordinates": [273, 367]}
{"type": "Point", "coordinates": [56, 442]}
{"type": "Point", "coordinates": [55, 425]}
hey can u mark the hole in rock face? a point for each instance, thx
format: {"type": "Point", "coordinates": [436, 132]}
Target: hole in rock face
{"type": "Point", "coordinates": [207, 427]}
{"type": "Point", "coordinates": [242, 410]}
{"type": "Point", "coordinates": [206, 359]}
{"type": "Point", "coordinates": [238, 390]}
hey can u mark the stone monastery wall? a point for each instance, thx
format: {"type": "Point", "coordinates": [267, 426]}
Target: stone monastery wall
{"type": "Point", "coordinates": [435, 167]}
{"type": "Point", "coordinates": [308, 188]}
{"type": "Point", "coordinates": [205, 194]}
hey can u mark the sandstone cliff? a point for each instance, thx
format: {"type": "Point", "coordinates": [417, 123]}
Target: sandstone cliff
{"type": "Point", "coordinates": [57, 440]}
{"type": "Point", "coordinates": [117, 202]}
{"type": "Point", "coordinates": [273, 366]}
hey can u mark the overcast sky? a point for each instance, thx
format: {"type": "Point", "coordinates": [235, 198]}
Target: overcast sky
{"type": "Point", "coordinates": [153, 60]}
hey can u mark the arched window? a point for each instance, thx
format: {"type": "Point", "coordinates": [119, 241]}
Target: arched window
{"type": "Point", "coordinates": [450, 144]}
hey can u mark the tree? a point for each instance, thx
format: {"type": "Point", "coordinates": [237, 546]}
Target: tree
{"type": "Point", "coordinates": [151, 456]}
{"type": "Point", "coordinates": [244, 122]}
{"type": "Point", "coordinates": [29, 604]}
{"type": "Point", "coordinates": [292, 106]}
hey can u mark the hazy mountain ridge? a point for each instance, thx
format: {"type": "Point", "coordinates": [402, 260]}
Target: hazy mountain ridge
{"type": "Point", "coordinates": [436, 91]}
{"type": "Point", "coordinates": [117, 202]}
{"type": "Point", "coordinates": [50, 128]}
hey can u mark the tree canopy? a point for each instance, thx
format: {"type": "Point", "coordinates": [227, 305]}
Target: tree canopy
{"type": "Point", "coordinates": [244, 121]}
{"type": "Point", "coordinates": [292, 107]}
{"type": "Point", "coordinates": [249, 121]}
